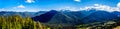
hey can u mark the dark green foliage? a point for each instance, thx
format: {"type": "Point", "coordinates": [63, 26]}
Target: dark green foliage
{"type": "Point", "coordinates": [17, 22]}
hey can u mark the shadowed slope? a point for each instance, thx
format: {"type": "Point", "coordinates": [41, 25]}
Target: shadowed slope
{"type": "Point", "coordinates": [45, 17]}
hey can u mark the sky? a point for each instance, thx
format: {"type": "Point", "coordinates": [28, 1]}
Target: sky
{"type": "Point", "coordinates": [46, 5]}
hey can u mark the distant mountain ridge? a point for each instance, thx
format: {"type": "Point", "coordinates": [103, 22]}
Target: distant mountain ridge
{"type": "Point", "coordinates": [23, 14]}
{"type": "Point", "coordinates": [79, 17]}
{"type": "Point", "coordinates": [99, 16]}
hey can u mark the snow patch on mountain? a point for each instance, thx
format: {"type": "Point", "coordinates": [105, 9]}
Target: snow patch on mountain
{"type": "Point", "coordinates": [103, 7]}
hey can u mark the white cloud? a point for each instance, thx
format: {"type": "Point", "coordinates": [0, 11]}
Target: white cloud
{"type": "Point", "coordinates": [2, 9]}
{"type": "Point", "coordinates": [67, 8]}
{"type": "Point", "coordinates": [103, 7]}
{"type": "Point", "coordinates": [19, 10]}
{"type": "Point", "coordinates": [30, 1]}
{"type": "Point", "coordinates": [24, 10]}
{"type": "Point", "coordinates": [20, 6]}
{"type": "Point", "coordinates": [118, 5]}
{"type": "Point", "coordinates": [77, 0]}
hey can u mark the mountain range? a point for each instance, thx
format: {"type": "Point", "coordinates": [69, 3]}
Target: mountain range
{"type": "Point", "coordinates": [69, 17]}
{"type": "Point", "coordinates": [78, 17]}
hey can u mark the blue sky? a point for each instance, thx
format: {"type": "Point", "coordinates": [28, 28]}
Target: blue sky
{"type": "Point", "coordinates": [43, 5]}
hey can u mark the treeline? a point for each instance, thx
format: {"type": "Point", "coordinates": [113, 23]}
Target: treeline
{"type": "Point", "coordinates": [18, 22]}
